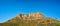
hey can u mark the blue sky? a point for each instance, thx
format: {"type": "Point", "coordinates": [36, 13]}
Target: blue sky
{"type": "Point", "coordinates": [11, 8]}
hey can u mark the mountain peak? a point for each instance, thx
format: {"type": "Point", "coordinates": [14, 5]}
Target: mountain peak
{"type": "Point", "coordinates": [37, 13]}
{"type": "Point", "coordinates": [33, 19]}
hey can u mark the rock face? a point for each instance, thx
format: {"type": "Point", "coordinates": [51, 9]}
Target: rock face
{"type": "Point", "coordinates": [34, 16]}
{"type": "Point", "coordinates": [34, 19]}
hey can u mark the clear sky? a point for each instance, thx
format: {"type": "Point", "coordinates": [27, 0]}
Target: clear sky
{"type": "Point", "coordinates": [11, 8]}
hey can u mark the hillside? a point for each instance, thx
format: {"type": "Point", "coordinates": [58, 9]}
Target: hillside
{"type": "Point", "coordinates": [34, 19]}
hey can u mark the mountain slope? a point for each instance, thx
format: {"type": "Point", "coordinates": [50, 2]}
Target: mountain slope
{"type": "Point", "coordinates": [35, 19]}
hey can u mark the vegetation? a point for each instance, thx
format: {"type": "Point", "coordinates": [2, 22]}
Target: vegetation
{"type": "Point", "coordinates": [32, 23]}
